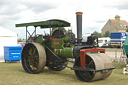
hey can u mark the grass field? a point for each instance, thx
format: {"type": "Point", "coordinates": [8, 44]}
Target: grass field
{"type": "Point", "coordinates": [13, 74]}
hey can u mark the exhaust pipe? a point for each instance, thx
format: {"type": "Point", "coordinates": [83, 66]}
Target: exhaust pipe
{"type": "Point", "coordinates": [79, 27]}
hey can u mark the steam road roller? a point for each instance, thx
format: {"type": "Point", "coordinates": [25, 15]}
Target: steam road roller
{"type": "Point", "coordinates": [53, 49]}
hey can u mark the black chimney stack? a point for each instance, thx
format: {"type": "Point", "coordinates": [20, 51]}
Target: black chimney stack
{"type": "Point", "coordinates": [79, 26]}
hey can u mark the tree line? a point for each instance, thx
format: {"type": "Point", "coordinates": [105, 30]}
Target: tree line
{"type": "Point", "coordinates": [107, 34]}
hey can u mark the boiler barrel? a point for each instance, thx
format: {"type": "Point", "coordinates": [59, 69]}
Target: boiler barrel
{"type": "Point", "coordinates": [66, 52]}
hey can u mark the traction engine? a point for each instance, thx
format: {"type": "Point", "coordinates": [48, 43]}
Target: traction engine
{"type": "Point", "coordinates": [53, 50]}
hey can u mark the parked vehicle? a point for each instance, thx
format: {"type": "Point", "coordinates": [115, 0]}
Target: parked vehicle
{"type": "Point", "coordinates": [117, 39]}
{"type": "Point", "coordinates": [21, 44]}
{"type": "Point", "coordinates": [106, 45]}
{"type": "Point", "coordinates": [103, 41]}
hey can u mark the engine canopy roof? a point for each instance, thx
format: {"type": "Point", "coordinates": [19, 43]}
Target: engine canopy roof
{"type": "Point", "coordinates": [46, 24]}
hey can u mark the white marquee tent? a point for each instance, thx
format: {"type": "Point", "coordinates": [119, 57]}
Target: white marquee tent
{"type": "Point", "coordinates": [7, 38]}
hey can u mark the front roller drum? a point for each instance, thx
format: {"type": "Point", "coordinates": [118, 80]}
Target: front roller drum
{"type": "Point", "coordinates": [33, 58]}
{"type": "Point", "coordinates": [99, 62]}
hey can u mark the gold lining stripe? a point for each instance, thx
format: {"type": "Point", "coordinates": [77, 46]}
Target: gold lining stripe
{"type": "Point", "coordinates": [72, 52]}
{"type": "Point", "coordinates": [60, 51]}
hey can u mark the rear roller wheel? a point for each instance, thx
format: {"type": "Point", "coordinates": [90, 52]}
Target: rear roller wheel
{"type": "Point", "coordinates": [33, 58]}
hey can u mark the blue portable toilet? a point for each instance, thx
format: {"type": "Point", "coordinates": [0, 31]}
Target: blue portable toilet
{"type": "Point", "coordinates": [12, 53]}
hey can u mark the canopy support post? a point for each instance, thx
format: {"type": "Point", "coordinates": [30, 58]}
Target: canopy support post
{"type": "Point", "coordinates": [26, 34]}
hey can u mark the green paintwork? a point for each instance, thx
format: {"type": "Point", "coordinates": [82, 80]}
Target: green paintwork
{"type": "Point", "coordinates": [66, 39]}
{"type": "Point", "coordinates": [57, 43]}
{"type": "Point", "coordinates": [39, 40]}
{"type": "Point", "coordinates": [66, 52]}
{"type": "Point", "coordinates": [60, 50]}
{"type": "Point", "coordinates": [125, 45]}
{"type": "Point", "coordinates": [46, 24]}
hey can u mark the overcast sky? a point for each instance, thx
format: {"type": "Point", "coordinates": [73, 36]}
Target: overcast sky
{"type": "Point", "coordinates": [95, 13]}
